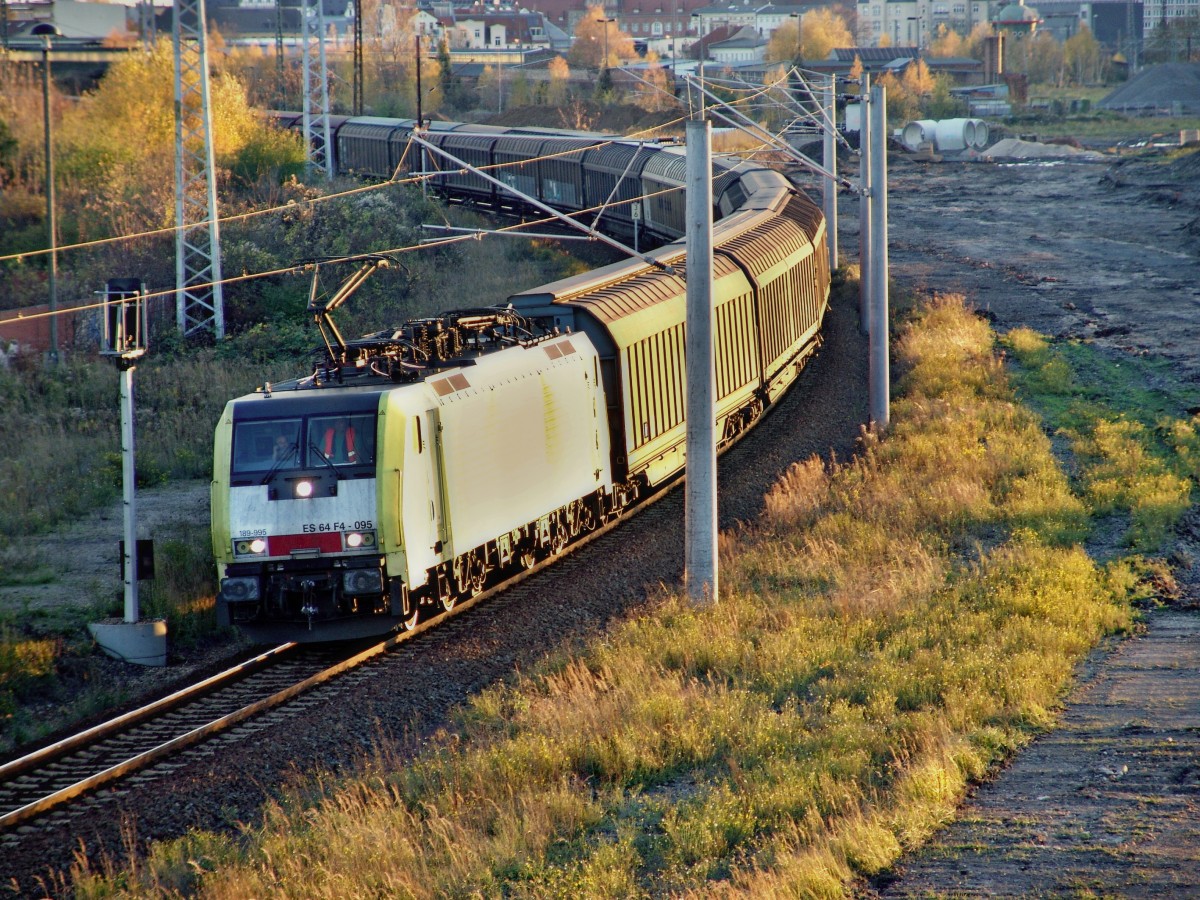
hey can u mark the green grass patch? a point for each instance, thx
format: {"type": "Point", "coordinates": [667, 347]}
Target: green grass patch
{"type": "Point", "coordinates": [888, 631]}
{"type": "Point", "coordinates": [1136, 450]}
{"type": "Point", "coordinates": [50, 672]}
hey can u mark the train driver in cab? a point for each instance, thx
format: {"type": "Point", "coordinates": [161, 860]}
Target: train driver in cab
{"type": "Point", "coordinates": [285, 448]}
{"type": "Point", "coordinates": [339, 443]}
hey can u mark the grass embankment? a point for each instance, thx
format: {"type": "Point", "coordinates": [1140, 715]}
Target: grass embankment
{"type": "Point", "coordinates": [1100, 124]}
{"type": "Point", "coordinates": [888, 630]}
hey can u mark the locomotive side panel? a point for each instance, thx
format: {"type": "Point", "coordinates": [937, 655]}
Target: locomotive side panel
{"type": "Point", "coordinates": [222, 539]}
{"type": "Point", "coordinates": [409, 502]}
{"type": "Point", "coordinates": [519, 435]}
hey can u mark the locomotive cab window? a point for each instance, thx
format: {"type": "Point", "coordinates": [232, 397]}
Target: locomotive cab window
{"type": "Point", "coordinates": [260, 446]}
{"type": "Point", "coordinates": [343, 440]}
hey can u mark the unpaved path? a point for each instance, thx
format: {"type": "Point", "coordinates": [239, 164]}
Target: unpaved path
{"type": "Point", "coordinates": [82, 559]}
{"type": "Point", "coordinates": [1107, 804]}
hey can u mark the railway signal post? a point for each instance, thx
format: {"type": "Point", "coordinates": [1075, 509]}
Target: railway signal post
{"type": "Point", "coordinates": [124, 341]}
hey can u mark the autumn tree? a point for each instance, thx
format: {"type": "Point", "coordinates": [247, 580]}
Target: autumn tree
{"type": "Point", "coordinates": [592, 34]}
{"type": "Point", "coordinates": [455, 94]}
{"type": "Point", "coordinates": [947, 43]}
{"type": "Point", "coordinates": [778, 113]}
{"type": "Point", "coordinates": [390, 64]}
{"type": "Point", "coordinates": [556, 87]}
{"type": "Point", "coordinates": [1081, 57]}
{"type": "Point", "coordinates": [490, 88]}
{"type": "Point", "coordinates": [856, 73]}
{"type": "Point", "coordinates": [817, 34]}
{"type": "Point", "coordinates": [117, 148]}
{"type": "Point", "coordinates": [902, 104]}
{"type": "Point", "coordinates": [822, 31]}
{"type": "Point", "coordinates": [115, 158]}
{"type": "Point", "coordinates": [917, 80]}
{"type": "Point", "coordinates": [657, 92]}
{"type": "Point", "coordinates": [1039, 56]}
{"type": "Point", "coordinates": [978, 38]}
{"type": "Point", "coordinates": [520, 92]}
{"type": "Point", "coordinates": [784, 43]}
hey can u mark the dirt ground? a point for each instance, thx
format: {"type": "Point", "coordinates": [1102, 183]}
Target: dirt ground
{"type": "Point", "coordinates": [1108, 804]}
{"type": "Point", "coordinates": [84, 557]}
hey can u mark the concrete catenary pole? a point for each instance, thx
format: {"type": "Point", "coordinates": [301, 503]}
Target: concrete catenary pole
{"type": "Point", "coordinates": [700, 511]}
{"type": "Point", "coordinates": [128, 479]}
{"type": "Point", "coordinates": [878, 369]}
{"type": "Point", "coordinates": [864, 206]}
{"type": "Point", "coordinates": [830, 161]}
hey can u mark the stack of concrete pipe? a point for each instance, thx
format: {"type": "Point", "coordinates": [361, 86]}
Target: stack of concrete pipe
{"type": "Point", "coordinates": [946, 135]}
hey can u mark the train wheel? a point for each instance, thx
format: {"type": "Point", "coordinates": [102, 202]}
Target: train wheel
{"type": "Point", "coordinates": [470, 574]}
{"type": "Point", "coordinates": [446, 596]}
{"type": "Point", "coordinates": [413, 620]}
{"type": "Point", "coordinates": [476, 575]}
{"type": "Point", "coordinates": [558, 534]}
{"type": "Point", "coordinates": [527, 556]}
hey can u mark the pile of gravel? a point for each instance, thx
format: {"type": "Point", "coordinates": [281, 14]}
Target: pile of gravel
{"type": "Point", "coordinates": [1015, 148]}
{"type": "Point", "coordinates": [1159, 88]}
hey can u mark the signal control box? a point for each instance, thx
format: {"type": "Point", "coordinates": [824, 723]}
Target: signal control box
{"type": "Point", "coordinates": [125, 332]}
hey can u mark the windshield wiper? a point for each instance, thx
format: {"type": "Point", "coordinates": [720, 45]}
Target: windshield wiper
{"type": "Point", "coordinates": [292, 452]}
{"type": "Point", "coordinates": [329, 462]}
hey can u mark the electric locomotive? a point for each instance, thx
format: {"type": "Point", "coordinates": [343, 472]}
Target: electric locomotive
{"type": "Point", "coordinates": [403, 473]}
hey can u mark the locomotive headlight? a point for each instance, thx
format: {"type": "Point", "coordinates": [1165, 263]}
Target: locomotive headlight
{"type": "Point", "coordinates": [356, 540]}
{"type": "Point", "coordinates": [304, 489]}
{"type": "Point", "coordinates": [362, 581]}
{"type": "Point", "coordinates": [249, 547]}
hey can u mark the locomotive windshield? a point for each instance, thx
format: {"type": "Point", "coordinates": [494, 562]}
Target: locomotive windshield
{"type": "Point", "coordinates": [265, 445]}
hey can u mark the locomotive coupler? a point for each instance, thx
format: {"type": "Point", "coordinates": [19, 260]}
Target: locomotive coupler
{"type": "Point", "coordinates": [309, 608]}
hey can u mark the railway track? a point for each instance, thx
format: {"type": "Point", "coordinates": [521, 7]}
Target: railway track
{"type": "Point", "coordinates": [68, 769]}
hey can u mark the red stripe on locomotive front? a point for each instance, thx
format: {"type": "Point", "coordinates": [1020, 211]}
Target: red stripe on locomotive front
{"type": "Point", "coordinates": [283, 544]}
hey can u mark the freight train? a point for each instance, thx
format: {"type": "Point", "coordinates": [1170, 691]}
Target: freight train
{"type": "Point", "coordinates": [415, 465]}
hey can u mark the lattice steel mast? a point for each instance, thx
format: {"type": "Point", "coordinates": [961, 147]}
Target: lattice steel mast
{"type": "Point", "coordinates": [316, 90]}
{"type": "Point", "coordinates": [199, 303]}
